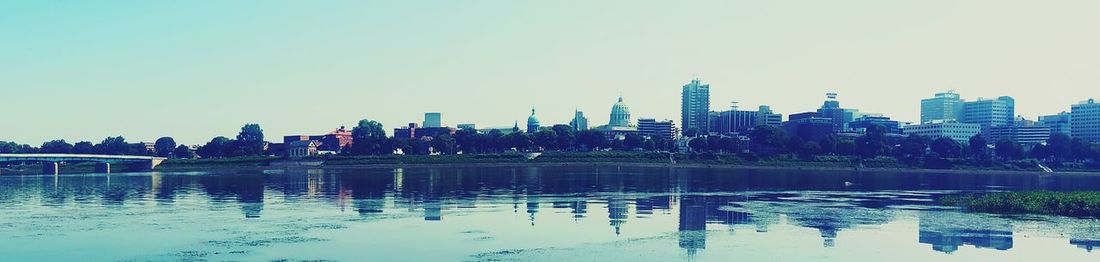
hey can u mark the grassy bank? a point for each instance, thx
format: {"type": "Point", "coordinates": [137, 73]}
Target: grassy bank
{"type": "Point", "coordinates": [1074, 204]}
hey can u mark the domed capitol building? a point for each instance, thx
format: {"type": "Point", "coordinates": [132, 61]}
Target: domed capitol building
{"type": "Point", "coordinates": [620, 115]}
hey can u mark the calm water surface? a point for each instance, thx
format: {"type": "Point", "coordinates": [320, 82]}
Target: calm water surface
{"type": "Point", "coordinates": [531, 214]}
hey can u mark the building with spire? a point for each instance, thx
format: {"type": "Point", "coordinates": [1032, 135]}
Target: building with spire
{"type": "Point", "coordinates": [579, 122]}
{"type": "Point", "coordinates": [532, 122]}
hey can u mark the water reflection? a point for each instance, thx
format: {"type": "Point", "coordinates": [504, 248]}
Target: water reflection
{"type": "Point", "coordinates": [702, 200]}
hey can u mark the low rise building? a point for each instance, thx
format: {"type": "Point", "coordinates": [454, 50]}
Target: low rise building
{"type": "Point", "coordinates": [960, 132]}
{"type": "Point", "coordinates": [303, 148]}
{"type": "Point", "coordinates": [652, 128]}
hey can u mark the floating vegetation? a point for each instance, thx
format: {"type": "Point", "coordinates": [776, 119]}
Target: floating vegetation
{"type": "Point", "coordinates": [1073, 204]}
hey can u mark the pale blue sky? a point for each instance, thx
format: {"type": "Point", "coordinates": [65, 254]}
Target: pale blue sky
{"type": "Point", "coordinates": [84, 70]}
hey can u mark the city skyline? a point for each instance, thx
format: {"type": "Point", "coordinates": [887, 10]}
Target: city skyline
{"type": "Point", "coordinates": [92, 71]}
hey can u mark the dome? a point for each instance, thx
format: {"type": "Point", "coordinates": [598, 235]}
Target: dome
{"type": "Point", "coordinates": [532, 120]}
{"type": "Point", "coordinates": [620, 114]}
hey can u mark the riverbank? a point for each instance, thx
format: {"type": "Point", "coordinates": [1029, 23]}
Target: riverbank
{"type": "Point", "coordinates": [552, 159]}
{"type": "Point", "coordinates": [633, 159]}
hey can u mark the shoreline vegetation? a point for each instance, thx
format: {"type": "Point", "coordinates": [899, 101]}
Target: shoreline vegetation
{"type": "Point", "coordinates": [1082, 204]}
{"type": "Point", "coordinates": [637, 159]}
{"type": "Point", "coordinates": [641, 159]}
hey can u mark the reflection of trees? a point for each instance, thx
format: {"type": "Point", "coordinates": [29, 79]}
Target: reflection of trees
{"type": "Point", "coordinates": [247, 189]}
{"type": "Point", "coordinates": [827, 216]}
{"type": "Point", "coordinates": [946, 231]}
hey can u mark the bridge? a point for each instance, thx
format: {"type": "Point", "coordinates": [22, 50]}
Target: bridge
{"type": "Point", "coordinates": [51, 162]}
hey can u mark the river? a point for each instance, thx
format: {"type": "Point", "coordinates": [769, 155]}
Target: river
{"type": "Point", "coordinates": [579, 213]}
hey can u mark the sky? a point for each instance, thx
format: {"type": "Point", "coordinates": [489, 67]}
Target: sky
{"type": "Point", "coordinates": [192, 70]}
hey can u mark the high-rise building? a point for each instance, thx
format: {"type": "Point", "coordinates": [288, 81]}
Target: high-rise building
{"type": "Point", "coordinates": [1059, 123]}
{"type": "Point", "coordinates": [841, 116]}
{"type": "Point", "coordinates": [433, 119]}
{"type": "Point", "coordinates": [620, 114]}
{"type": "Point", "coordinates": [579, 122]}
{"type": "Point", "coordinates": [990, 112]}
{"type": "Point", "coordinates": [650, 127]}
{"type": "Point", "coordinates": [532, 122]}
{"type": "Point", "coordinates": [1085, 121]}
{"type": "Point", "coordinates": [765, 117]}
{"type": "Point", "coordinates": [695, 107]}
{"type": "Point", "coordinates": [943, 107]}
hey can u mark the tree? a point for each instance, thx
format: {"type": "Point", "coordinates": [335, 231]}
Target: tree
{"type": "Point", "coordinates": [699, 144]}
{"type": "Point", "coordinates": [1040, 151]}
{"type": "Point", "coordinates": [56, 147]}
{"type": "Point", "coordinates": [8, 147]}
{"type": "Point", "coordinates": [217, 147]}
{"type": "Point", "coordinates": [469, 141]}
{"type": "Point", "coordinates": [1008, 150]}
{"type": "Point", "coordinates": [546, 139]}
{"type": "Point", "coordinates": [443, 144]}
{"type": "Point", "coordinates": [84, 147]}
{"type": "Point", "coordinates": [566, 137]}
{"type": "Point", "coordinates": [871, 143]}
{"type": "Point", "coordinates": [183, 151]}
{"type": "Point", "coordinates": [591, 139]}
{"type": "Point", "coordinates": [946, 147]}
{"type": "Point", "coordinates": [809, 150]}
{"type": "Point", "coordinates": [250, 141]}
{"type": "Point", "coordinates": [978, 148]}
{"type": "Point", "coordinates": [828, 144]}
{"type": "Point", "coordinates": [913, 149]}
{"type": "Point", "coordinates": [367, 138]}
{"type": "Point", "coordinates": [1060, 147]}
{"type": "Point", "coordinates": [767, 139]}
{"type": "Point", "coordinates": [633, 141]}
{"type": "Point", "coordinates": [165, 146]}
{"type": "Point", "coordinates": [113, 146]}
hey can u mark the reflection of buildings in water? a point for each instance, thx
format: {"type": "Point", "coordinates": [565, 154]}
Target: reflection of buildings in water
{"type": "Point", "coordinates": [946, 231]}
{"type": "Point", "coordinates": [617, 213]}
{"type": "Point", "coordinates": [367, 207]}
{"type": "Point", "coordinates": [398, 179]}
{"type": "Point", "coordinates": [1086, 244]}
{"type": "Point", "coordinates": [827, 217]}
{"type": "Point", "coordinates": [433, 210]}
{"type": "Point", "coordinates": [532, 207]}
{"type": "Point", "coordinates": [579, 209]}
{"type": "Point", "coordinates": [693, 223]}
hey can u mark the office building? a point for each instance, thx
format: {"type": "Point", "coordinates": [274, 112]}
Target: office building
{"type": "Point", "coordinates": [695, 107]}
{"type": "Point", "coordinates": [862, 123]}
{"type": "Point", "coordinates": [434, 119]}
{"type": "Point", "coordinates": [740, 122]}
{"type": "Point", "coordinates": [649, 127]}
{"type": "Point", "coordinates": [579, 122]}
{"type": "Point", "coordinates": [1059, 123]}
{"type": "Point", "coordinates": [413, 131]}
{"type": "Point", "coordinates": [1085, 121]}
{"type": "Point", "coordinates": [990, 112]}
{"type": "Point", "coordinates": [1025, 135]}
{"type": "Point", "coordinates": [840, 116]}
{"type": "Point", "coordinates": [809, 128]}
{"type": "Point", "coordinates": [620, 114]}
{"type": "Point", "coordinates": [960, 132]}
{"type": "Point", "coordinates": [944, 107]}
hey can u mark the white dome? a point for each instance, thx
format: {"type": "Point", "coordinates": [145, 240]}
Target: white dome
{"type": "Point", "coordinates": [620, 114]}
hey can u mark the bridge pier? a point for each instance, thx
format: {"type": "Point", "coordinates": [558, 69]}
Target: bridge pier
{"type": "Point", "coordinates": [50, 168]}
{"type": "Point", "coordinates": [104, 168]}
